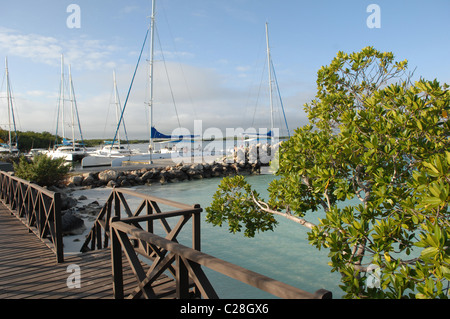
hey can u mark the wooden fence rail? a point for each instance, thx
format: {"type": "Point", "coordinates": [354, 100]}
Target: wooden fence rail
{"type": "Point", "coordinates": [187, 267]}
{"type": "Point", "coordinates": [119, 227]}
{"type": "Point", "coordinates": [38, 208]}
{"type": "Point", "coordinates": [148, 210]}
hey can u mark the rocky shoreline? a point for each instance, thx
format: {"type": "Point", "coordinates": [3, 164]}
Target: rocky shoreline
{"type": "Point", "coordinates": [163, 175]}
{"type": "Point", "coordinates": [243, 162]}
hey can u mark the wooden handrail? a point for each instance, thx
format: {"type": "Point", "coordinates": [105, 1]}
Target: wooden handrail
{"type": "Point", "coordinates": [153, 198]}
{"type": "Point", "coordinates": [38, 208]}
{"type": "Point", "coordinates": [188, 264]}
{"type": "Point", "coordinates": [117, 206]}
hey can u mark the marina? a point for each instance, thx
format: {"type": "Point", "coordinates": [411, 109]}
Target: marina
{"type": "Point", "coordinates": [140, 143]}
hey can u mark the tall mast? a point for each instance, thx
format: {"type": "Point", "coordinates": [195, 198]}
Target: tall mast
{"type": "Point", "coordinates": [75, 114]}
{"type": "Point", "coordinates": [117, 103]}
{"type": "Point", "coordinates": [8, 97]}
{"type": "Point", "coordinates": [61, 97]}
{"type": "Point", "coordinates": [150, 103]}
{"type": "Point", "coordinates": [11, 118]}
{"type": "Point", "coordinates": [269, 65]}
{"type": "Point", "coordinates": [72, 102]}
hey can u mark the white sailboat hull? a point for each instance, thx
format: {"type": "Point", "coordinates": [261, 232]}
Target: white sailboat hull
{"type": "Point", "coordinates": [117, 162]}
{"type": "Point", "coordinates": [7, 149]}
{"type": "Point", "coordinates": [104, 156]}
{"type": "Point", "coordinates": [174, 155]}
{"type": "Point", "coordinates": [96, 161]}
{"type": "Point", "coordinates": [69, 155]}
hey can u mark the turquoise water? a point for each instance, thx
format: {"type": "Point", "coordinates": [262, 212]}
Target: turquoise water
{"type": "Point", "coordinates": [284, 254]}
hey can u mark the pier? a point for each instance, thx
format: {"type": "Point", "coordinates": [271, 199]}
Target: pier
{"type": "Point", "coordinates": [122, 256]}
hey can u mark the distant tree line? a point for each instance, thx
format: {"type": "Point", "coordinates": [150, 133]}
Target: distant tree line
{"type": "Point", "coordinates": [46, 140]}
{"type": "Point", "coordinates": [29, 140]}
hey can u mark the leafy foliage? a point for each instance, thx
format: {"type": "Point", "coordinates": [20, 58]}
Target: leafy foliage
{"type": "Point", "coordinates": [379, 138]}
{"type": "Point", "coordinates": [233, 202]}
{"type": "Point", "coordinates": [43, 170]}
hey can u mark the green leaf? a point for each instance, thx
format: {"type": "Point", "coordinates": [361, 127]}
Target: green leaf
{"type": "Point", "coordinates": [429, 252]}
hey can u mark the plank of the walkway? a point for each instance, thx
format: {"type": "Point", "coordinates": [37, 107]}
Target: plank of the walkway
{"type": "Point", "coordinates": [28, 269]}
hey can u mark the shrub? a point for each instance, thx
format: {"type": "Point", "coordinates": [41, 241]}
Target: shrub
{"type": "Point", "coordinates": [42, 170]}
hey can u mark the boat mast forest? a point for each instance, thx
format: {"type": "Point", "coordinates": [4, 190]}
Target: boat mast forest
{"type": "Point", "coordinates": [71, 150]}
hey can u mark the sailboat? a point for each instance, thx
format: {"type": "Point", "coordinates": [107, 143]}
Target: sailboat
{"type": "Point", "coordinates": [10, 146]}
{"type": "Point", "coordinates": [269, 136]}
{"type": "Point", "coordinates": [110, 150]}
{"type": "Point", "coordinates": [70, 150]}
{"type": "Point", "coordinates": [156, 138]}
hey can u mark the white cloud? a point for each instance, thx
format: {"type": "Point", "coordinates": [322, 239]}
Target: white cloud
{"type": "Point", "coordinates": [37, 93]}
{"type": "Point", "coordinates": [199, 93]}
{"type": "Point", "coordinates": [83, 52]}
{"type": "Point", "coordinates": [130, 9]}
{"type": "Point", "coordinates": [33, 46]}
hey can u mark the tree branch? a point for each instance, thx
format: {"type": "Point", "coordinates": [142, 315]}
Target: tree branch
{"type": "Point", "coordinates": [265, 207]}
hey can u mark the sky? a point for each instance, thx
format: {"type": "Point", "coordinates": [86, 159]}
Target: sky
{"type": "Point", "coordinates": [210, 57]}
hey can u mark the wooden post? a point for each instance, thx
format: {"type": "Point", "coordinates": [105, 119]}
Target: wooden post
{"type": "Point", "coordinates": [149, 211]}
{"type": "Point", "coordinates": [116, 261]}
{"type": "Point", "coordinates": [182, 279]}
{"type": "Point", "coordinates": [116, 203]}
{"type": "Point", "coordinates": [196, 232]}
{"type": "Point", "coordinates": [58, 241]}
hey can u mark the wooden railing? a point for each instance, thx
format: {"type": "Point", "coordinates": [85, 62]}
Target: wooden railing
{"type": "Point", "coordinates": [38, 208]}
{"type": "Point", "coordinates": [148, 210]}
{"type": "Point", "coordinates": [188, 267]}
{"type": "Point", "coordinates": [119, 227]}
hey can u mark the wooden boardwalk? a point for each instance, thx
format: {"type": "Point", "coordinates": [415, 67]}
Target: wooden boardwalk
{"type": "Point", "coordinates": [31, 268]}
{"type": "Point", "coordinates": [28, 269]}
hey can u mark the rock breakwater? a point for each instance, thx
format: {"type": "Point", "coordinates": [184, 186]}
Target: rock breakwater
{"type": "Point", "coordinates": [168, 174]}
{"type": "Point", "coordinates": [245, 161]}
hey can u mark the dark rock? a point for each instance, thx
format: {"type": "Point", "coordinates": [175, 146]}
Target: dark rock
{"type": "Point", "coordinates": [107, 176]}
{"type": "Point", "coordinates": [125, 183]}
{"type": "Point", "coordinates": [67, 202]}
{"type": "Point", "coordinates": [71, 224]}
{"type": "Point", "coordinates": [88, 181]}
{"type": "Point", "coordinates": [111, 184]}
{"type": "Point", "coordinates": [148, 175]}
{"type": "Point", "coordinates": [76, 180]}
{"type": "Point", "coordinates": [177, 174]}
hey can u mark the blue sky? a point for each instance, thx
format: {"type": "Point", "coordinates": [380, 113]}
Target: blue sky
{"type": "Point", "coordinates": [214, 53]}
